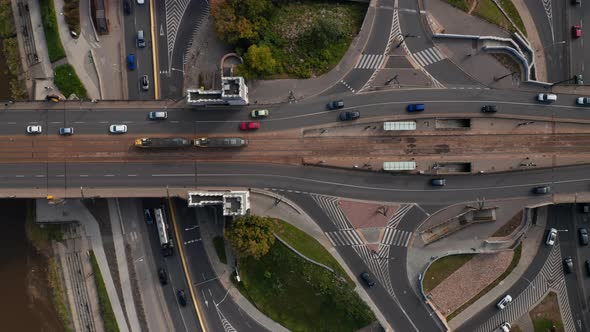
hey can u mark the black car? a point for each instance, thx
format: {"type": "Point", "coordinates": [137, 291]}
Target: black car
{"type": "Point", "coordinates": [163, 276]}
{"type": "Point", "coordinates": [368, 279]}
{"type": "Point", "coordinates": [543, 190]}
{"type": "Point", "coordinates": [583, 233]}
{"type": "Point", "coordinates": [568, 264]}
{"type": "Point", "coordinates": [489, 109]}
{"type": "Point", "coordinates": [440, 182]}
{"type": "Point", "coordinates": [181, 297]}
{"type": "Point", "coordinates": [147, 214]}
{"type": "Point", "coordinates": [347, 116]}
{"type": "Point", "coordinates": [126, 7]}
{"type": "Point", "coordinates": [336, 104]}
{"type": "Point", "coordinates": [588, 266]}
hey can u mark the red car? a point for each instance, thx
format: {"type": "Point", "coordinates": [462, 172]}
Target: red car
{"type": "Point", "coordinates": [249, 125]}
{"type": "Point", "coordinates": [577, 31]}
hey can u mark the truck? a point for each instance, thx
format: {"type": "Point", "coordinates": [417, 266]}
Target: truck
{"type": "Point", "coordinates": [220, 142]}
{"type": "Point", "coordinates": [175, 142]}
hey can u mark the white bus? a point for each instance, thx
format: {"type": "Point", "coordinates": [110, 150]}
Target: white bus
{"type": "Point", "coordinates": [163, 232]}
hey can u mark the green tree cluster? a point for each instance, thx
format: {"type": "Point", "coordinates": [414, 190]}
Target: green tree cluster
{"type": "Point", "coordinates": [251, 236]}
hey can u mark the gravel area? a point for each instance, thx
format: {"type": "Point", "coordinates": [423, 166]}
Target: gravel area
{"type": "Point", "coordinates": [469, 280]}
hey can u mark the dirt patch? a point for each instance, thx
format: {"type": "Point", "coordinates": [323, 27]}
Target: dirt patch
{"type": "Point", "coordinates": [510, 226]}
{"type": "Point", "coordinates": [546, 315]}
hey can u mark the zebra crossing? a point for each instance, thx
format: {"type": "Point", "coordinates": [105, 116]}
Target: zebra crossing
{"type": "Point", "coordinates": [174, 11]}
{"type": "Point", "coordinates": [378, 263]}
{"type": "Point", "coordinates": [551, 277]}
{"type": "Point", "coordinates": [227, 327]}
{"type": "Point", "coordinates": [370, 61]}
{"type": "Point", "coordinates": [398, 215]}
{"type": "Point", "coordinates": [396, 237]}
{"type": "Point", "coordinates": [330, 206]}
{"type": "Point", "coordinates": [428, 56]}
{"type": "Point", "coordinates": [346, 237]}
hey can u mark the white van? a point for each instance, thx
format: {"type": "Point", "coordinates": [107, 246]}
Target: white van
{"type": "Point", "coordinates": [140, 39]}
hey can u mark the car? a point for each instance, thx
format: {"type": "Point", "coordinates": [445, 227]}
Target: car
{"type": "Point", "coordinates": [579, 79]}
{"type": "Point", "coordinates": [583, 101]}
{"type": "Point", "coordinates": [542, 190]}
{"type": "Point", "coordinates": [568, 264]}
{"type": "Point", "coordinates": [576, 2]}
{"type": "Point", "coordinates": [181, 297]}
{"type": "Point", "coordinates": [158, 115]}
{"type": "Point", "coordinates": [551, 237]}
{"type": "Point", "coordinates": [145, 83]}
{"type": "Point", "coordinates": [546, 97]}
{"type": "Point", "coordinates": [147, 215]}
{"type": "Point", "coordinates": [249, 125]}
{"type": "Point", "coordinates": [440, 182]}
{"type": "Point", "coordinates": [368, 280]}
{"type": "Point", "coordinates": [576, 31]}
{"type": "Point", "coordinates": [163, 276]}
{"type": "Point", "coordinates": [505, 327]}
{"type": "Point", "coordinates": [131, 61]}
{"type": "Point", "coordinates": [140, 2]}
{"type": "Point", "coordinates": [585, 208]}
{"type": "Point", "coordinates": [489, 109]}
{"type": "Point", "coordinates": [415, 108]}
{"type": "Point", "coordinates": [53, 98]}
{"type": "Point", "coordinates": [118, 129]}
{"type": "Point", "coordinates": [504, 302]}
{"type": "Point", "coordinates": [347, 116]}
{"type": "Point", "coordinates": [588, 266]}
{"type": "Point", "coordinates": [583, 233]}
{"type": "Point", "coordinates": [259, 113]}
{"type": "Point", "coordinates": [336, 104]}
{"type": "Point", "coordinates": [34, 129]}
{"type": "Point", "coordinates": [66, 131]}
{"type": "Point", "coordinates": [126, 7]}
{"type": "Point", "coordinates": [140, 39]}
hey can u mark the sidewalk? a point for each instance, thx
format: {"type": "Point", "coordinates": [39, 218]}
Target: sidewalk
{"type": "Point", "coordinates": [263, 203]}
{"type": "Point", "coordinates": [277, 91]}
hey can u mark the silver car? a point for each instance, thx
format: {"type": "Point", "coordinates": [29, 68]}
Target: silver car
{"type": "Point", "coordinates": [551, 237]}
{"type": "Point", "coordinates": [118, 129]}
{"type": "Point", "coordinates": [504, 302]}
{"type": "Point", "coordinates": [35, 129]}
{"type": "Point", "coordinates": [583, 101]}
{"type": "Point", "coordinates": [145, 83]}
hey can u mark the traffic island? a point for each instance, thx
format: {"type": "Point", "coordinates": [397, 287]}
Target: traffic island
{"type": "Point", "coordinates": [546, 316]}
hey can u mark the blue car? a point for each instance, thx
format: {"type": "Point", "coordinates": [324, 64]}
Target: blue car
{"type": "Point", "coordinates": [131, 61]}
{"type": "Point", "coordinates": [415, 107]}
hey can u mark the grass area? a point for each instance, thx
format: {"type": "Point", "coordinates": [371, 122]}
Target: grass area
{"type": "Point", "coordinates": [219, 244]}
{"type": "Point", "coordinates": [106, 311]}
{"type": "Point", "coordinates": [58, 293]}
{"type": "Point", "coordinates": [487, 10]}
{"type": "Point", "coordinates": [308, 246]}
{"type": "Point", "coordinates": [51, 29]}
{"type": "Point", "coordinates": [41, 235]}
{"type": "Point", "coordinates": [18, 90]}
{"type": "Point", "coordinates": [67, 82]}
{"type": "Point", "coordinates": [461, 4]}
{"type": "Point", "coordinates": [513, 14]}
{"type": "Point", "coordinates": [546, 315]}
{"type": "Point", "coordinates": [442, 268]}
{"type": "Point", "coordinates": [510, 226]}
{"type": "Point", "coordinates": [71, 12]}
{"type": "Point", "coordinates": [515, 328]}
{"type": "Point", "coordinates": [513, 263]}
{"type": "Point", "coordinates": [299, 295]}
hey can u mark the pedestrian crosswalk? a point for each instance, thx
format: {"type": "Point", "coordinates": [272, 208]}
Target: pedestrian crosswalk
{"type": "Point", "coordinates": [428, 56]}
{"type": "Point", "coordinates": [398, 215]}
{"type": "Point", "coordinates": [396, 237]}
{"type": "Point", "coordinates": [550, 277]}
{"type": "Point", "coordinates": [344, 238]}
{"type": "Point", "coordinates": [378, 263]}
{"type": "Point", "coordinates": [370, 61]}
{"type": "Point", "coordinates": [330, 206]}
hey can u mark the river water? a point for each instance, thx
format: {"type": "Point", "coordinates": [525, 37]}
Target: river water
{"type": "Point", "coordinates": [25, 297]}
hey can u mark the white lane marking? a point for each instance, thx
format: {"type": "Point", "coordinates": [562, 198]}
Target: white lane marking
{"type": "Point", "coordinates": [109, 175]}
{"type": "Point", "coordinates": [55, 122]}
{"type": "Point", "coordinates": [59, 176]}
{"type": "Point", "coordinates": [79, 122]}
{"type": "Point", "coordinates": [177, 175]}
{"type": "Point", "coordinates": [11, 122]}
{"type": "Point", "coordinates": [103, 122]}
{"type": "Point", "coordinates": [131, 174]}
{"type": "Point", "coordinates": [83, 175]}
{"type": "Point", "coordinates": [19, 176]}
{"type": "Point", "coordinates": [39, 176]}
{"type": "Point", "coordinates": [127, 122]}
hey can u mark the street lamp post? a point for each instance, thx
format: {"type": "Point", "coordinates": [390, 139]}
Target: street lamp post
{"type": "Point", "coordinates": [503, 76]}
{"type": "Point", "coordinates": [404, 38]}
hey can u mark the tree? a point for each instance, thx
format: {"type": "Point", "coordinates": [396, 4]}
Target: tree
{"type": "Point", "coordinates": [251, 236]}
{"type": "Point", "coordinates": [259, 60]}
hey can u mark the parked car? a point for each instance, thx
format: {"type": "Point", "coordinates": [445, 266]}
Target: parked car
{"type": "Point", "coordinates": [579, 79]}
{"type": "Point", "coordinates": [181, 297]}
{"type": "Point", "coordinates": [568, 264]}
{"type": "Point", "coordinates": [542, 190]}
{"type": "Point", "coordinates": [126, 7]}
{"type": "Point", "coordinates": [583, 233]}
{"type": "Point", "coordinates": [259, 113]}
{"type": "Point", "coordinates": [368, 280]}
{"type": "Point", "coordinates": [66, 131]}
{"type": "Point", "coordinates": [163, 276]}
{"type": "Point", "coordinates": [416, 108]}
{"type": "Point", "coordinates": [336, 104]}
{"type": "Point", "coordinates": [505, 327]}
{"type": "Point", "coordinates": [158, 115]}
{"type": "Point", "coordinates": [118, 129]}
{"type": "Point", "coordinates": [147, 215]}
{"type": "Point", "coordinates": [347, 116]}
{"type": "Point", "coordinates": [576, 31]}
{"type": "Point", "coordinates": [583, 101]}
{"type": "Point", "coordinates": [504, 302]}
{"type": "Point", "coordinates": [588, 266]}
{"type": "Point", "coordinates": [249, 125]}
{"type": "Point", "coordinates": [131, 62]}
{"type": "Point", "coordinates": [145, 83]}
{"type": "Point", "coordinates": [440, 182]}
{"type": "Point", "coordinates": [34, 129]}
{"type": "Point", "coordinates": [489, 109]}
{"type": "Point", "coordinates": [546, 97]}
{"type": "Point", "coordinates": [551, 237]}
